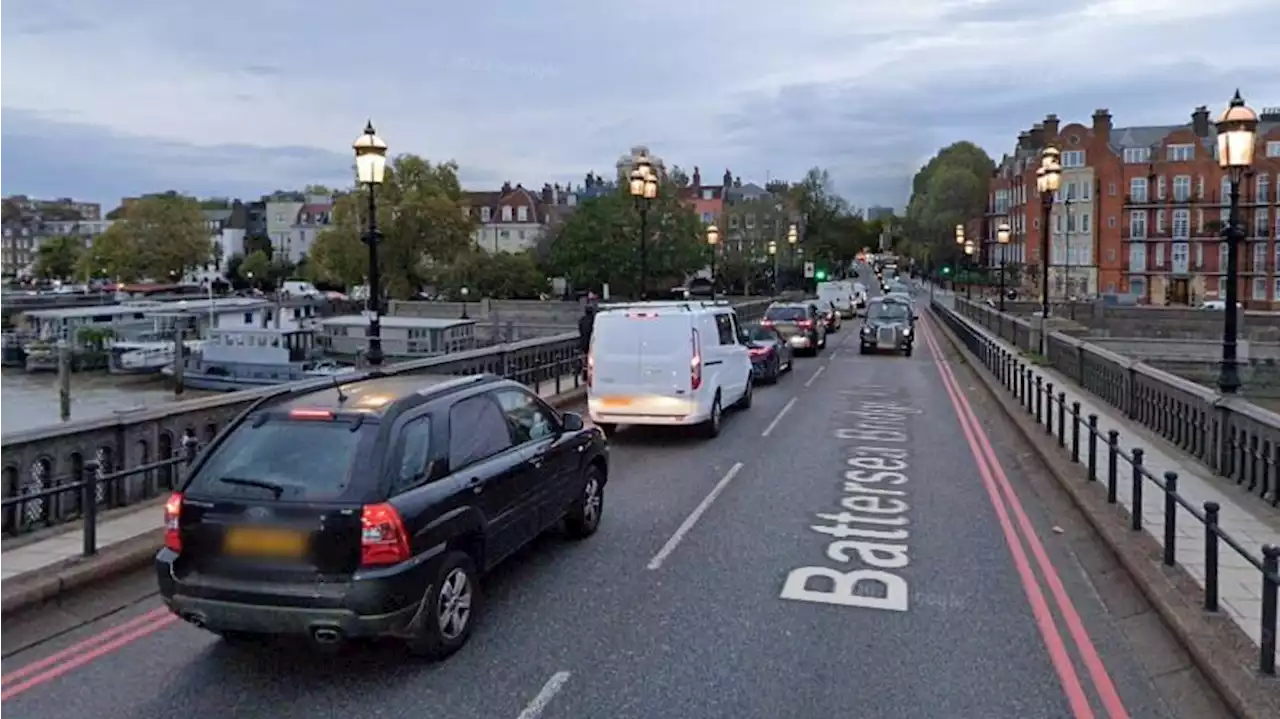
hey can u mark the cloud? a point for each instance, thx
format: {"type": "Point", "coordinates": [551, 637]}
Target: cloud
{"type": "Point", "coordinates": [547, 91]}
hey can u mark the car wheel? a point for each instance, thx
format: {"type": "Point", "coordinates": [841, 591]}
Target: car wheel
{"type": "Point", "coordinates": [711, 427]}
{"type": "Point", "coordinates": [608, 428]}
{"type": "Point", "coordinates": [747, 396]}
{"type": "Point", "coordinates": [445, 624]}
{"type": "Point", "coordinates": [583, 518]}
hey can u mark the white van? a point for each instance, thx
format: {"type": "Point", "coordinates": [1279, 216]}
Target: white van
{"type": "Point", "coordinates": [838, 293]}
{"type": "Point", "coordinates": [298, 288]}
{"type": "Point", "coordinates": [667, 363]}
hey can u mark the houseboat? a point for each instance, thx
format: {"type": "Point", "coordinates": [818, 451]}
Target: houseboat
{"type": "Point", "coordinates": [254, 357]}
{"type": "Point", "coordinates": [152, 351]}
{"type": "Point", "coordinates": [88, 329]}
{"type": "Point", "coordinates": [403, 338]}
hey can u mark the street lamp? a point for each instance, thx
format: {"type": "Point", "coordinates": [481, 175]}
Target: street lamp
{"type": "Point", "coordinates": [1002, 237]}
{"type": "Point", "coordinates": [1237, 135]}
{"type": "Point", "coordinates": [464, 292]}
{"type": "Point", "coordinates": [371, 167]}
{"type": "Point", "coordinates": [968, 269]}
{"type": "Point", "coordinates": [644, 188]}
{"type": "Point", "coordinates": [960, 242]}
{"type": "Point", "coordinates": [773, 252]}
{"type": "Point", "coordinates": [713, 239]}
{"type": "Point", "coordinates": [1048, 177]}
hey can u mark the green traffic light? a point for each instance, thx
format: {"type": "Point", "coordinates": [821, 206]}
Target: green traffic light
{"type": "Point", "coordinates": [821, 274]}
{"type": "Point", "coordinates": [946, 270]}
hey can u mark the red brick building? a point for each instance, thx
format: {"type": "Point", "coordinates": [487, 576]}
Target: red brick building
{"type": "Point", "coordinates": [1140, 209]}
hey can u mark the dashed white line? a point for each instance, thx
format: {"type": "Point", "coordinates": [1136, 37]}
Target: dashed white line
{"type": "Point", "coordinates": [778, 417]}
{"type": "Point", "coordinates": [816, 372]}
{"type": "Point", "coordinates": [538, 704]}
{"type": "Point", "coordinates": [693, 517]}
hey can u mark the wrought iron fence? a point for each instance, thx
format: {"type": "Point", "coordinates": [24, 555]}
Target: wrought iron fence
{"type": "Point", "coordinates": [1080, 436]}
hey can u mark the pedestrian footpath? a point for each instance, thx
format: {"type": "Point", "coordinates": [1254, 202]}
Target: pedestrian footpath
{"type": "Point", "coordinates": [1247, 519]}
{"type": "Point", "coordinates": [128, 525]}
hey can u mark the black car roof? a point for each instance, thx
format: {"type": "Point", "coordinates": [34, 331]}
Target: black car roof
{"type": "Point", "coordinates": [378, 395]}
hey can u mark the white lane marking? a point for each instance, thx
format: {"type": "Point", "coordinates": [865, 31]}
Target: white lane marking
{"type": "Point", "coordinates": [833, 354]}
{"type": "Point", "coordinates": [778, 417]}
{"type": "Point", "coordinates": [816, 372]}
{"type": "Point", "coordinates": [534, 708]}
{"type": "Point", "coordinates": [693, 517]}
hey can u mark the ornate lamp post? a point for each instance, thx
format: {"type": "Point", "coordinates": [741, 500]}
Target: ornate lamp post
{"type": "Point", "coordinates": [1237, 136]}
{"type": "Point", "coordinates": [371, 168]}
{"type": "Point", "coordinates": [713, 239]}
{"type": "Point", "coordinates": [968, 269]}
{"type": "Point", "coordinates": [644, 188]}
{"type": "Point", "coordinates": [465, 292]}
{"type": "Point", "coordinates": [1048, 179]}
{"type": "Point", "coordinates": [793, 237]}
{"type": "Point", "coordinates": [1002, 237]}
{"type": "Point", "coordinates": [960, 244]}
{"type": "Point", "coordinates": [773, 252]}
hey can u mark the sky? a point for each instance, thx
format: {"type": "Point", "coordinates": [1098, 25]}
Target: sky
{"type": "Point", "coordinates": [102, 100]}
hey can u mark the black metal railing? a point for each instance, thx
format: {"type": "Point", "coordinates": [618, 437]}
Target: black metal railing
{"type": "Point", "coordinates": [1079, 435]}
{"type": "Point", "coordinates": [83, 498]}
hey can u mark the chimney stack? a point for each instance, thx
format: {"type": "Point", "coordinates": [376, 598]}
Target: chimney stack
{"type": "Point", "coordinates": [548, 197]}
{"type": "Point", "coordinates": [728, 178]}
{"type": "Point", "coordinates": [1024, 141]}
{"type": "Point", "coordinates": [1037, 137]}
{"type": "Point", "coordinates": [1051, 127]}
{"type": "Point", "coordinates": [697, 178]}
{"type": "Point", "coordinates": [1102, 124]}
{"type": "Point", "coordinates": [1200, 121]}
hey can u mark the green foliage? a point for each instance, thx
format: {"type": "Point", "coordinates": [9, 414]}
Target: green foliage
{"type": "Point", "coordinates": [600, 243]}
{"type": "Point", "coordinates": [258, 243]}
{"type": "Point", "coordinates": [94, 338]}
{"type": "Point", "coordinates": [255, 268]}
{"type": "Point", "coordinates": [57, 258]}
{"type": "Point", "coordinates": [504, 276]}
{"type": "Point", "coordinates": [949, 190]}
{"type": "Point", "coordinates": [157, 237]}
{"type": "Point", "coordinates": [421, 220]}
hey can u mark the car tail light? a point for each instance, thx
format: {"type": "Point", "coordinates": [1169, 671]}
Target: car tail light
{"type": "Point", "coordinates": [759, 351]}
{"type": "Point", "coordinates": [695, 365]}
{"type": "Point", "coordinates": [805, 324]}
{"type": "Point", "coordinates": [173, 522]}
{"type": "Point", "coordinates": [766, 323]}
{"type": "Point", "coordinates": [383, 539]}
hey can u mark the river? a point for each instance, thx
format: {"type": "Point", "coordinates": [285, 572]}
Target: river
{"type": "Point", "coordinates": [31, 400]}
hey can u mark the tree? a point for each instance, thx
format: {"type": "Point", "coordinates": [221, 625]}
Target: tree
{"type": "Point", "coordinates": [949, 190]}
{"type": "Point", "coordinates": [157, 237]}
{"type": "Point", "coordinates": [256, 268]}
{"type": "Point", "coordinates": [599, 243]}
{"type": "Point", "coordinates": [678, 177]}
{"type": "Point", "coordinates": [504, 275]}
{"type": "Point", "coordinates": [57, 258]}
{"type": "Point", "coordinates": [420, 216]}
{"type": "Point", "coordinates": [258, 243]}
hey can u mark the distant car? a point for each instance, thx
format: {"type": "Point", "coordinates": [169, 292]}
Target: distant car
{"type": "Point", "coordinates": [372, 508]}
{"type": "Point", "coordinates": [830, 314]}
{"type": "Point", "coordinates": [771, 354]}
{"type": "Point", "coordinates": [800, 323]}
{"type": "Point", "coordinates": [887, 326]}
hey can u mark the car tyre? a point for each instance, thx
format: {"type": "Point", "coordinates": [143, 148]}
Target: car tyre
{"type": "Point", "coordinates": [774, 370]}
{"type": "Point", "coordinates": [583, 518]}
{"type": "Point", "coordinates": [711, 427]}
{"type": "Point", "coordinates": [444, 626]}
{"type": "Point", "coordinates": [748, 396]}
{"type": "Point", "coordinates": [607, 428]}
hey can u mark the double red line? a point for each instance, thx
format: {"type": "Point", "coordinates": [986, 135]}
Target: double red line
{"type": "Point", "coordinates": [55, 665]}
{"type": "Point", "coordinates": [1020, 535]}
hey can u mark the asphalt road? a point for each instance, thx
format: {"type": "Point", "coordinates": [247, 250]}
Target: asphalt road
{"type": "Point", "coordinates": [689, 602]}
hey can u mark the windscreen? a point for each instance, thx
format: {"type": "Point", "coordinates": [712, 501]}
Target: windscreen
{"type": "Point", "coordinates": [288, 460]}
{"type": "Point", "coordinates": [786, 314]}
{"type": "Point", "coordinates": [761, 334]}
{"type": "Point", "coordinates": [888, 312]}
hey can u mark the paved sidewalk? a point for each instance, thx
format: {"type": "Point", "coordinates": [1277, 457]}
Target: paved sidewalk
{"type": "Point", "coordinates": [1240, 583]}
{"type": "Point", "coordinates": [46, 553]}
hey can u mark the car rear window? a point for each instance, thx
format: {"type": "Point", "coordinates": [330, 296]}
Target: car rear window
{"type": "Point", "coordinates": [761, 334]}
{"type": "Point", "coordinates": [300, 460]}
{"type": "Point", "coordinates": [786, 314]}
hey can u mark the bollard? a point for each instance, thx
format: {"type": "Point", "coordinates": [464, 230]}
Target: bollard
{"type": "Point", "coordinates": [1135, 510]}
{"type": "Point", "coordinates": [1211, 510]}
{"type": "Point", "coordinates": [180, 360]}
{"type": "Point", "coordinates": [1093, 447]}
{"type": "Point", "coordinates": [89, 508]}
{"type": "Point", "coordinates": [1062, 420]}
{"type": "Point", "coordinates": [1039, 399]}
{"type": "Point", "coordinates": [1170, 517]}
{"type": "Point", "coordinates": [1026, 385]}
{"type": "Point", "coordinates": [1113, 464]}
{"type": "Point", "coordinates": [1270, 567]}
{"type": "Point", "coordinates": [1075, 432]}
{"type": "Point", "coordinates": [1048, 409]}
{"type": "Point", "coordinates": [64, 380]}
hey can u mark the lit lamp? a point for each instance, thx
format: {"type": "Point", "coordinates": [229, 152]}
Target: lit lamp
{"type": "Point", "coordinates": [960, 242]}
{"type": "Point", "coordinates": [968, 262]}
{"type": "Point", "coordinates": [713, 239]}
{"type": "Point", "coordinates": [644, 188]}
{"type": "Point", "coordinates": [465, 292]}
{"type": "Point", "coordinates": [1048, 178]}
{"type": "Point", "coordinates": [1002, 237]}
{"type": "Point", "coordinates": [371, 169]}
{"type": "Point", "coordinates": [1237, 137]}
{"type": "Point", "coordinates": [773, 252]}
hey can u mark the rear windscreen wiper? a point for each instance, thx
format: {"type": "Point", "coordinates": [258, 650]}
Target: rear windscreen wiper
{"type": "Point", "coordinates": [272, 487]}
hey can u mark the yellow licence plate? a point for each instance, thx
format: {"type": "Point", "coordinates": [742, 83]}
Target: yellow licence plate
{"type": "Point", "coordinates": [264, 542]}
{"type": "Point", "coordinates": [615, 401]}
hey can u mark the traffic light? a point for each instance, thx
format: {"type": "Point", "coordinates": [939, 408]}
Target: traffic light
{"type": "Point", "coordinates": [820, 275]}
{"type": "Point", "coordinates": [946, 270]}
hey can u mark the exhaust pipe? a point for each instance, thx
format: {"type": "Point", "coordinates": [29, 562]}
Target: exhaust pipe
{"type": "Point", "coordinates": [194, 619]}
{"type": "Point", "coordinates": [326, 635]}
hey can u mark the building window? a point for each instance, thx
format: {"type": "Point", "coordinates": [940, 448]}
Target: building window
{"type": "Point", "coordinates": [1138, 189]}
{"type": "Point", "coordinates": [1137, 155]}
{"type": "Point", "coordinates": [1181, 224]}
{"type": "Point", "coordinates": [506, 213]}
{"type": "Point", "coordinates": [1073, 158]}
{"type": "Point", "coordinates": [1222, 257]}
{"type": "Point", "coordinates": [1180, 153]}
{"type": "Point", "coordinates": [522, 214]}
{"type": "Point", "coordinates": [1138, 225]}
{"type": "Point", "coordinates": [1137, 257]}
{"type": "Point", "coordinates": [1273, 148]}
{"type": "Point", "coordinates": [1259, 288]}
{"type": "Point", "coordinates": [1261, 222]}
{"type": "Point", "coordinates": [485, 214]}
{"type": "Point", "coordinates": [1111, 222]}
{"type": "Point", "coordinates": [1259, 257]}
{"type": "Point", "coordinates": [1181, 188]}
{"type": "Point", "coordinates": [1086, 190]}
{"type": "Point", "coordinates": [1262, 188]}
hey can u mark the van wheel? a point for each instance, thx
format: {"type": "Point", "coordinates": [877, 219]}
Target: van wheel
{"type": "Point", "coordinates": [583, 518]}
{"type": "Point", "coordinates": [745, 402]}
{"type": "Point", "coordinates": [711, 427]}
{"type": "Point", "coordinates": [449, 610]}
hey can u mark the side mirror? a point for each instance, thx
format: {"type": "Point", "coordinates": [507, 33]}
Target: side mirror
{"type": "Point", "coordinates": [572, 421]}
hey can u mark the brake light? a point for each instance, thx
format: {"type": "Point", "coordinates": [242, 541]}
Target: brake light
{"type": "Point", "coordinates": [759, 351]}
{"type": "Point", "coordinates": [310, 414]}
{"type": "Point", "coordinates": [695, 365]}
{"type": "Point", "coordinates": [383, 539]}
{"type": "Point", "coordinates": [805, 324]}
{"type": "Point", "coordinates": [766, 323]}
{"type": "Point", "coordinates": [173, 522]}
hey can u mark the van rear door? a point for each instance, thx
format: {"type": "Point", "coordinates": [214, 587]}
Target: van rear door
{"type": "Point", "coordinates": [640, 353]}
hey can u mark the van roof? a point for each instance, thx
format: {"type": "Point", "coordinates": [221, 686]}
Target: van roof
{"type": "Point", "coordinates": [680, 305]}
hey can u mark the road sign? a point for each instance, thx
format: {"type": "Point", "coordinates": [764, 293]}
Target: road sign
{"type": "Point", "coordinates": [808, 270]}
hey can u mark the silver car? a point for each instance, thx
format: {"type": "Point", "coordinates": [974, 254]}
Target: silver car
{"type": "Point", "coordinates": [889, 325]}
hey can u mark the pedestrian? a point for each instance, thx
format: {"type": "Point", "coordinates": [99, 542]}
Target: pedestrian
{"type": "Point", "coordinates": [586, 324]}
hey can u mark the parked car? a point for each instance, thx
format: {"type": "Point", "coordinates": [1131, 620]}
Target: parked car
{"type": "Point", "coordinates": [771, 354]}
{"type": "Point", "coordinates": [373, 508]}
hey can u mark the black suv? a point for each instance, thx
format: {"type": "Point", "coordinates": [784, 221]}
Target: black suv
{"type": "Point", "coordinates": [372, 506]}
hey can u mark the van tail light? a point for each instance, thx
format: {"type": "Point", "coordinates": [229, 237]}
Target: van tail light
{"type": "Point", "coordinates": [591, 368]}
{"type": "Point", "coordinates": [695, 365]}
{"type": "Point", "coordinates": [383, 539]}
{"type": "Point", "coordinates": [173, 522]}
